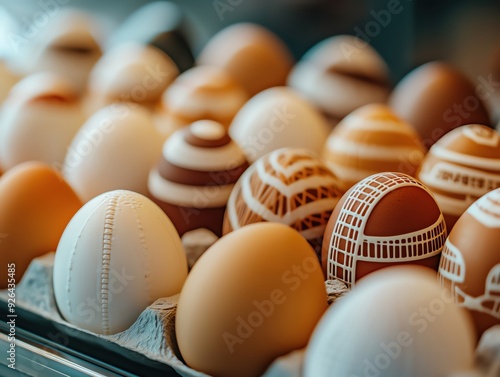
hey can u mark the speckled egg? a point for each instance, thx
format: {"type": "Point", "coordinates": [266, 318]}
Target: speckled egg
{"type": "Point", "coordinates": [372, 140]}
{"type": "Point", "coordinates": [461, 167]}
{"type": "Point", "coordinates": [288, 186]}
{"type": "Point", "coordinates": [384, 220]}
{"type": "Point", "coordinates": [196, 173]}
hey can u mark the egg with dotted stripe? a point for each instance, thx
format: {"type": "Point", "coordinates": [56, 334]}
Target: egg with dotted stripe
{"type": "Point", "coordinates": [118, 254]}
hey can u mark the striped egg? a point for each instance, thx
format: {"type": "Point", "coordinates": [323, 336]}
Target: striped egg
{"type": "Point", "coordinates": [372, 140]}
{"type": "Point", "coordinates": [194, 178]}
{"type": "Point", "coordinates": [201, 93]}
{"type": "Point", "coordinates": [461, 167]}
{"type": "Point", "coordinates": [288, 186]}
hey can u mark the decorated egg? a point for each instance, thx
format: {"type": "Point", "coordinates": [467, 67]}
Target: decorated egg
{"type": "Point", "coordinates": [470, 264]}
{"type": "Point", "coordinates": [252, 54]}
{"type": "Point", "coordinates": [288, 186]}
{"type": "Point", "coordinates": [118, 254]}
{"type": "Point", "coordinates": [372, 140]}
{"type": "Point", "coordinates": [340, 74]}
{"type": "Point", "coordinates": [38, 120]}
{"type": "Point", "coordinates": [36, 204]}
{"type": "Point", "coordinates": [130, 73]}
{"type": "Point", "coordinates": [201, 93]}
{"type": "Point", "coordinates": [196, 173]}
{"type": "Point", "coordinates": [396, 322]}
{"type": "Point", "coordinates": [436, 98]}
{"type": "Point", "coordinates": [68, 45]}
{"type": "Point", "coordinates": [254, 295]}
{"type": "Point", "coordinates": [384, 220]}
{"type": "Point", "coordinates": [114, 149]}
{"type": "Point", "coordinates": [461, 167]}
{"type": "Point", "coordinates": [278, 118]}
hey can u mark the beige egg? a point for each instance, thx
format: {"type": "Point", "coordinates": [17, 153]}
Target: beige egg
{"type": "Point", "coordinates": [8, 78]}
{"type": "Point", "coordinates": [278, 118]}
{"type": "Point", "coordinates": [372, 140]}
{"type": "Point", "coordinates": [461, 167]}
{"type": "Point", "coordinates": [254, 295]}
{"type": "Point", "coordinates": [114, 149]}
{"type": "Point", "coordinates": [130, 72]}
{"type": "Point", "coordinates": [39, 120]}
{"type": "Point", "coordinates": [397, 322]}
{"type": "Point", "coordinates": [255, 56]}
{"type": "Point", "coordinates": [200, 93]}
{"type": "Point", "coordinates": [341, 74]}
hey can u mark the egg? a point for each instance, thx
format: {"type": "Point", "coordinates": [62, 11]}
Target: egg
{"type": "Point", "coordinates": [396, 323]}
{"type": "Point", "coordinates": [196, 173]}
{"type": "Point", "coordinates": [278, 118]}
{"type": "Point", "coordinates": [114, 149]}
{"type": "Point", "coordinates": [201, 93]}
{"type": "Point", "coordinates": [8, 78]}
{"type": "Point", "coordinates": [386, 219]}
{"type": "Point", "coordinates": [255, 56]}
{"type": "Point", "coordinates": [160, 24]}
{"type": "Point", "coordinates": [288, 186]}
{"type": "Point", "coordinates": [371, 140]}
{"type": "Point", "coordinates": [470, 264]}
{"type": "Point", "coordinates": [118, 254]}
{"type": "Point", "coordinates": [130, 72]}
{"type": "Point", "coordinates": [461, 167]}
{"type": "Point", "coordinates": [38, 120]}
{"type": "Point", "coordinates": [67, 45]}
{"type": "Point", "coordinates": [254, 295]}
{"type": "Point", "coordinates": [341, 74]}
{"type": "Point", "coordinates": [436, 98]}
{"type": "Point", "coordinates": [36, 204]}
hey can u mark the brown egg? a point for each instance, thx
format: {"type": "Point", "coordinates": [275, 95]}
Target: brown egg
{"type": "Point", "coordinates": [288, 186]}
{"type": "Point", "coordinates": [255, 295]}
{"type": "Point", "coordinates": [470, 262]}
{"type": "Point", "coordinates": [341, 74]}
{"type": "Point", "coordinates": [196, 173]}
{"type": "Point", "coordinates": [255, 57]}
{"type": "Point", "coordinates": [372, 140]}
{"type": "Point", "coordinates": [36, 204]}
{"type": "Point", "coordinates": [436, 98]}
{"type": "Point", "coordinates": [386, 219]}
{"type": "Point", "coordinates": [201, 93]}
{"type": "Point", "coordinates": [461, 167]}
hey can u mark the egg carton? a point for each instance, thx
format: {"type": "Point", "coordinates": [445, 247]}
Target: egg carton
{"type": "Point", "coordinates": [153, 333]}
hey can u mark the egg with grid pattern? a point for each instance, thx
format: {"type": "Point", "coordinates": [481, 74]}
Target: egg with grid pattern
{"type": "Point", "coordinates": [386, 219]}
{"type": "Point", "coordinates": [372, 139]}
{"type": "Point", "coordinates": [199, 166]}
{"type": "Point", "coordinates": [470, 264]}
{"type": "Point", "coordinates": [118, 254]}
{"type": "Point", "coordinates": [461, 167]}
{"type": "Point", "coordinates": [288, 186]}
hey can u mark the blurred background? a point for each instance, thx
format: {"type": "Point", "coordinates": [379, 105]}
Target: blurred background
{"type": "Point", "coordinates": [466, 33]}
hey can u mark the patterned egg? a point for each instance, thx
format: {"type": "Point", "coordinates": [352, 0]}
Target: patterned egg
{"type": "Point", "coordinates": [340, 74]}
{"type": "Point", "coordinates": [386, 219]}
{"type": "Point", "coordinates": [435, 98]}
{"type": "Point", "coordinates": [461, 167]}
{"type": "Point", "coordinates": [195, 176]}
{"type": "Point", "coordinates": [201, 93]}
{"type": "Point", "coordinates": [278, 118]}
{"type": "Point", "coordinates": [40, 118]}
{"type": "Point", "coordinates": [372, 140]}
{"type": "Point", "coordinates": [470, 262]}
{"type": "Point", "coordinates": [130, 72]}
{"type": "Point", "coordinates": [288, 186]}
{"type": "Point", "coordinates": [252, 54]}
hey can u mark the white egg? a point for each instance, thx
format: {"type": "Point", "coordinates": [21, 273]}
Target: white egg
{"type": "Point", "coordinates": [397, 322]}
{"type": "Point", "coordinates": [118, 254]}
{"type": "Point", "coordinates": [278, 118]}
{"type": "Point", "coordinates": [39, 119]}
{"type": "Point", "coordinates": [114, 149]}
